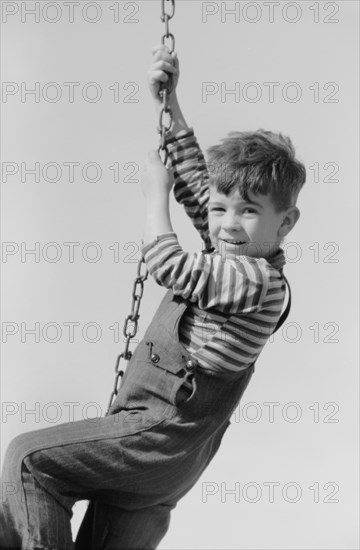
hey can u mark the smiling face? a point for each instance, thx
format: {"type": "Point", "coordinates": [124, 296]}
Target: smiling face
{"type": "Point", "coordinates": [241, 227]}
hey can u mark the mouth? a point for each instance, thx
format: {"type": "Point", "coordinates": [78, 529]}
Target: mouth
{"type": "Point", "coordinates": [233, 242]}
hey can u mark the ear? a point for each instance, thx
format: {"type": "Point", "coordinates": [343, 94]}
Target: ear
{"type": "Point", "coordinates": [289, 220]}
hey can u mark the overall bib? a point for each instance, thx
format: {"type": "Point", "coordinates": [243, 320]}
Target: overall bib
{"type": "Point", "coordinates": [134, 465]}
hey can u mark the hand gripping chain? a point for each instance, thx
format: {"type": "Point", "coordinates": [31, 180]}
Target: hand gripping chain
{"type": "Point", "coordinates": [165, 90]}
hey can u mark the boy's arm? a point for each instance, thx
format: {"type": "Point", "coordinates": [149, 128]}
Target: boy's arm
{"type": "Point", "coordinates": [178, 121]}
{"type": "Point", "coordinates": [230, 285]}
{"type": "Point", "coordinates": [191, 179]}
{"type": "Point", "coordinates": [185, 157]}
{"type": "Point", "coordinates": [189, 170]}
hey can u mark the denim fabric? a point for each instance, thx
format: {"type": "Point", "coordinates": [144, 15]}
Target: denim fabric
{"type": "Point", "coordinates": [164, 427]}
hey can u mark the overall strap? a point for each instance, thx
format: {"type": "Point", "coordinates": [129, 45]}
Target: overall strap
{"type": "Point", "coordinates": [286, 311]}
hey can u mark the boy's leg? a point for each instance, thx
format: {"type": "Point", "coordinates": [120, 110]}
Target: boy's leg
{"type": "Point", "coordinates": [111, 528]}
{"type": "Point", "coordinates": [31, 516]}
{"type": "Point", "coordinates": [28, 512]}
{"type": "Point", "coordinates": [47, 471]}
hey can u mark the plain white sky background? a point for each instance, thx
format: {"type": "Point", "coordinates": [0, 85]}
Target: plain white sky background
{"type": "Point", "coordinates": [313, 362]}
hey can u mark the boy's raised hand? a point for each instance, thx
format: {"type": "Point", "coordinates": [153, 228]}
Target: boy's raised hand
{"type": "Point", "coordinates": [163, 62]}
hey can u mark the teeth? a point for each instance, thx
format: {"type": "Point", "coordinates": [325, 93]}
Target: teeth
{"type": "Point", "coordinates": [233, 242]}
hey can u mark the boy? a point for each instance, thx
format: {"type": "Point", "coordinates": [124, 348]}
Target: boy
{"type": "Point", "coordinates": [184, 379]}
{"type": "Point", "coordinates": [243, 210]}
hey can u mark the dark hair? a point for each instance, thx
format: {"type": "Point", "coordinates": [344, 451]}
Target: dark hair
{"type": "Point", "coordinates": [262, 162]}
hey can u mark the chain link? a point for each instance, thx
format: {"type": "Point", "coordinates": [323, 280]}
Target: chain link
{"type": "Point", "coordinates": [138, 288]}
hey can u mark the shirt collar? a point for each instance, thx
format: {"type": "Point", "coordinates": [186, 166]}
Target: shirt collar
{"type": "Point", "coordinates": [277, 259]}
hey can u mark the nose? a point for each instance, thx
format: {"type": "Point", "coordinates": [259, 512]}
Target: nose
{"type": "Point", "coordinates": [231, 222]}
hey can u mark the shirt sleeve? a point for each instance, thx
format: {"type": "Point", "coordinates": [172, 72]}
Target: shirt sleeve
{"type": "Point", "coordinates": [229, 285]}
{"type": "Point", "coordinates": [191, 179]}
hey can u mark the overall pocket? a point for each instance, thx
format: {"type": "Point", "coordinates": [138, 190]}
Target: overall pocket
{"type": "Point", "coordinates": [181, 380]}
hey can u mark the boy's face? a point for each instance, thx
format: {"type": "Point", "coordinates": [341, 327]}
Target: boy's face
{"type": "Point", "coordinates": [255, 224]}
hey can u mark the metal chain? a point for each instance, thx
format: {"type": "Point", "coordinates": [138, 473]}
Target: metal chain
{"type": "Point", "coordinates": [129, 334]}
{"type": "Point", "coordinates": [165, 89]}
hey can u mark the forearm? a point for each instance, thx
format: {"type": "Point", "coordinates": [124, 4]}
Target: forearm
{"type": "Point", "coordinates": [178, 120]}
{"type": "Point", "coordinates": [157, 218]}
{"type": "Point", "coordinates": [226, 285]}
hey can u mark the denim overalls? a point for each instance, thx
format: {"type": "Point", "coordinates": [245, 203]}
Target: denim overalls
{"type": "Point", "coordinates": [163, 429]}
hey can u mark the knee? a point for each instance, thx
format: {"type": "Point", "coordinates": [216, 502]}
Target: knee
{"type": "Point", "coordinates": [17, 450]}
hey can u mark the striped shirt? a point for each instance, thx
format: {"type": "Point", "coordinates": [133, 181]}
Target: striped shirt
{"type": "Point", "coordinates": [234, 301]}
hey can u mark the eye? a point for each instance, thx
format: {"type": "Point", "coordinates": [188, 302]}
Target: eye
{"type": "Point", "coordinates": [251, 210]}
